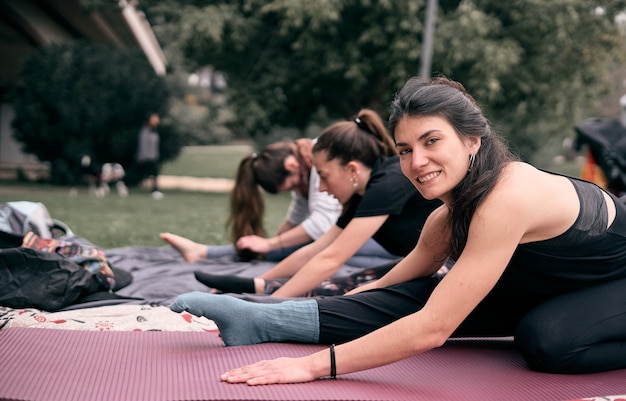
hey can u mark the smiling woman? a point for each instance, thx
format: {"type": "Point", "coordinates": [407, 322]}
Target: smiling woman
{"type": "Point", "coordinates": [539, 256]}
{"type": "Point", "coordinates": [434, 172]}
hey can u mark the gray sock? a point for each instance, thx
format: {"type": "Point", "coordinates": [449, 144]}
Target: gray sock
{"type": "Point", "coordinates": [242, 322]}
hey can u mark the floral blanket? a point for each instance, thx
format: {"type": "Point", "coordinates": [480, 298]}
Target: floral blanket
{"type": "Point", "coordinates": [107, 318]}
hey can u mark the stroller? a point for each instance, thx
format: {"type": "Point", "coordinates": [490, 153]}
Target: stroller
{"type": "Point", "coordinates": [606, 147]}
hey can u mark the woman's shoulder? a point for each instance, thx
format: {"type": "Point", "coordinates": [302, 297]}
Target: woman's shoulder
{"type": "Point", "coordinates": [518, 176]}
{"type": "Point", "coordinates": [522, 186]}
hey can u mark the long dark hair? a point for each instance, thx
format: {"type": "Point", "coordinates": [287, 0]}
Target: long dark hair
{"type": "Point", "coordinates": [260, 171]}
{"type": "Point", "coordinates": [447, 99]}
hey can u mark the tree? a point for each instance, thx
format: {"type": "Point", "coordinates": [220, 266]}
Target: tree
{"type": "Point", "coordinates": [552, 73]}
{"type": "Point", "coordinates": [79, 98]}
{"type": "Point", "coordinates": [197, 110]}
{"type": "Point", "coordinates": [288, 61]}
{"type": "Point", "coordinates": [536, 67]}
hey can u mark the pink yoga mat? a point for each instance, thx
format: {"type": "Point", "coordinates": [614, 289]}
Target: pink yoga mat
{"type": "Point", "coordinates": [64, 365]}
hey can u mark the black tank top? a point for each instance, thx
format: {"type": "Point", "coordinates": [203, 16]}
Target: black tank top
{"type": "Point", "coordinates": [585, 254]}
{"type": "Point", "coordinates": [592, 218]}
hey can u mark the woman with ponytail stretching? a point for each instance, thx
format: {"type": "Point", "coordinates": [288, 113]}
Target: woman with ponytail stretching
{"type": "Point", "coordinates": [279, 167]}
{"type": "Point", "coordinates": [358, 164]}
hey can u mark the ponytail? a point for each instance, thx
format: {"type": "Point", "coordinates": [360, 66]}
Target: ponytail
{"type": "Point", "coordinates": [369, 121]}
{"type": "Point", "coordinates": [247, 207]}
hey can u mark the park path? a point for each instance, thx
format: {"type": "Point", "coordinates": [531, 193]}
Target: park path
{"type": "Point", "coordinates": [204, 184]}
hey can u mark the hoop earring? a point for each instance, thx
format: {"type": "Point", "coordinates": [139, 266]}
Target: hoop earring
{"type": "Point", "coordinates": [472, 160]}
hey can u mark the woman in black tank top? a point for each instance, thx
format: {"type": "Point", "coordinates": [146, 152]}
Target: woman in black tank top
{"type": "Point", "coordinates": [539, 256]}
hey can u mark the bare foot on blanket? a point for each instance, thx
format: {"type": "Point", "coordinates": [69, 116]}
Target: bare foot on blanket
{"type": "Point", "coordinates": [190, 251]}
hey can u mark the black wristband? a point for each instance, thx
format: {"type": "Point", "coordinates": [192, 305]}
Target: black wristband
{"type": "Point", "coordinates": [333, 368]}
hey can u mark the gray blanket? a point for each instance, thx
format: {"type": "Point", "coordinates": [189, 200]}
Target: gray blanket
{"type": "Point", "coordinates": [160, 274]}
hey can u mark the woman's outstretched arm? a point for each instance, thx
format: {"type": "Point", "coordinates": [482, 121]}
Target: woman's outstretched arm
{"type": "Point", "coordinates": [424, 260]}
{"type": "Point", "coordinates": [288, 237]}
{"type": "Point", "coordinates": [329, 260]}
{"type": "Point", "coordinates": [486, 255]}
{"type": "Point", "coordinates": [405, 337]}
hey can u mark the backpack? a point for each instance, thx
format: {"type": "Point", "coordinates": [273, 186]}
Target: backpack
{"type": "Point", "coordinates": [42, 264]}
{"type": "Point", "coordinates": [44, 280]}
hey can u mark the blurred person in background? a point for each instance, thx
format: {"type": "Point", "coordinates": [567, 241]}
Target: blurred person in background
{"type": "Point", "coordinates": [148, 153]}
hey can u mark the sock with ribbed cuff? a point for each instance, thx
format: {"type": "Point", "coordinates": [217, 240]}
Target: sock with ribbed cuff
{"type": "Point", "coordinates": [243, 323]}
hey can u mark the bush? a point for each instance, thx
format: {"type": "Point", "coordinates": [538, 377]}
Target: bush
{"type": "Point", "coordinates": [79, 98]}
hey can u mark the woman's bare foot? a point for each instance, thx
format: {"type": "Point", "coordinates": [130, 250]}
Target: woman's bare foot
{"type": "Point", "coordinates": [190, 251]}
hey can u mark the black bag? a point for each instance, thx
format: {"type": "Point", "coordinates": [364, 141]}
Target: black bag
{"type": "Point", "coordinates": [606, 139]}
{"type": "Point", "coordinates": [44, 266]}
{"type": "Point", "coordinates": [43, 280]}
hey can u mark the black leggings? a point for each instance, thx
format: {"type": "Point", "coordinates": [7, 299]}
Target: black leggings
{"type": "Point", "coordinates": [579, 332]}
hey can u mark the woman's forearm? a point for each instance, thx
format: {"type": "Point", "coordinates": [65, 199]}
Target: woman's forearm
{"type": "Point", "coordinates": [284, 227]}
{"type": "Point", "coordinates": [309, 276]}
{"type": "Point", "coordinates": [381, 347]}
{"type": "Point", "coordinates": [291, 264]}
{"type": "Point", "coordinates": [292, 237]}
{"type": "Point", "coordinates": [389, 344]}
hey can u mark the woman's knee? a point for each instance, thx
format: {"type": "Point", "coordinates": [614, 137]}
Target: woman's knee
{"type": "Point", "coordinates": [544, 344]}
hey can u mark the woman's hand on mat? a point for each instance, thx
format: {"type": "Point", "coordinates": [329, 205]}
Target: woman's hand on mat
{"type": "Point", "coordinates": [254, 243]}
{"type": "Point", "coordinates": [281, 370]}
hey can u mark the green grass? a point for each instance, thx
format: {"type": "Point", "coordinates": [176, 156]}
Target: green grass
{"type": "Point", "coordinates": [113, 222]}
{"type": "Point", "coordinates": [207, 161]}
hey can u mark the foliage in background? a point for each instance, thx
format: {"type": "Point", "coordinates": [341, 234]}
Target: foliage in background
{"type": "Point", "coordinates": [560, 57]}
{"type": "Point", "coordinates": [199, 124]}
{"type": "Point", "coordinates": [537, 67]}
{"type": "Point", "coordinates": [79, 98]}
{"type": "Point", "coordinates": [197, 109]}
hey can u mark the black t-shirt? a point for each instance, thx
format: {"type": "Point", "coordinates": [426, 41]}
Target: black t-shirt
{"type": "Point", "coordinates": [388, 191]}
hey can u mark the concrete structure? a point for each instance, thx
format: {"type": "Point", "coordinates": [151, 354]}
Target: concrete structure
{"type": "Point", "coordinates": [26, 25]}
